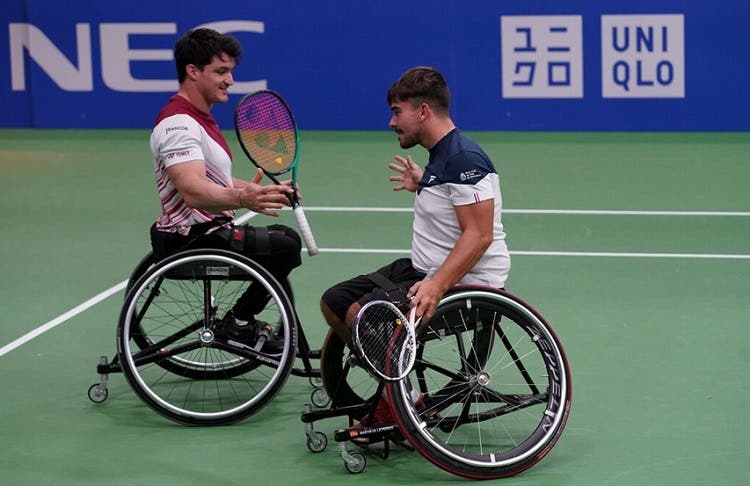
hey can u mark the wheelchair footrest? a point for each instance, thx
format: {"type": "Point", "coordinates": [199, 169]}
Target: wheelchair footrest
{"type": "Point", "coordinates": [351, 411]}
{"type": "Point", "coordinates": [365, 434]}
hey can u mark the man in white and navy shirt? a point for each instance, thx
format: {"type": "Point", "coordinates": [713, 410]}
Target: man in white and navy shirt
{"type": "Point", "coordinates": [459, 180]}
{"type": "Point", "coordinates": [458, 232]}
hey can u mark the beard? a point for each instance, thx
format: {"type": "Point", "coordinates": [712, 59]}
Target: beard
{"type": "Point", "coordinates": [406, 141]}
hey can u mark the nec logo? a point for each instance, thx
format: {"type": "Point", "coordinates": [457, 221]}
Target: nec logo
{"type": "Point", "coordinates": [116, 56]}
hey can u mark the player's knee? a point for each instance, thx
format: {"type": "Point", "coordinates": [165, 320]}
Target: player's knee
{"type": "Point", "coordinates": [334, 303]}
{"type": "Point", "coordinates": [327, 312]}
{"type": "Point", "coordinates": [328, 300]}
{"type": "Point", "coordinates": [286, 244]}
{"type": "Point", "coordinates": [288, 232]}
{"type": "Point", "coordinates": [351, 313]}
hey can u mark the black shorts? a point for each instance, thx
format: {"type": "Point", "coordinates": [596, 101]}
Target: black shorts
{"type": "Point", "coordinates": [275, 247]}
{"type": "Point", "coordinates": [362, 289]}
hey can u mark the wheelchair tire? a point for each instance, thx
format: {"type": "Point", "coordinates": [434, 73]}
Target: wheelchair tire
{"type": "Point", "coordinates": [187, 370]}
{"type": "Point", "coordinates": [146, 262]}
{"type": "Point", "coordinates": [491, 390]}
{"type": "Point", "coordinates": [143, 340]}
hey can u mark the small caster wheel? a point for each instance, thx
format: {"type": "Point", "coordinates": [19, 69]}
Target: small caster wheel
{"type": "Point", "coordinates": [318, 442]}
{"type": "Point", "coordinates": [320, 398]}
{"type": "Point", "coordinates": [98, 392]}
{"type": "Point", "coordinates": [355, 463]}
{"type": "Point", "coordinates": [316, 381]}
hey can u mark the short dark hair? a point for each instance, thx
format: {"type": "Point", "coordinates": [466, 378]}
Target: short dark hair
{"type": "Point", "coordinates": [421, 84]}
{"type": "Point", "coordinates": [199, 46]}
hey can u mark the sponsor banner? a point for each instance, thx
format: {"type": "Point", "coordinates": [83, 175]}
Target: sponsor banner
{"type": "Point", "coordinates": [532, 65]}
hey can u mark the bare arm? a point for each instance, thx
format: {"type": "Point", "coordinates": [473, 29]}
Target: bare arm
{"type": "Point", "coordinates": [477, 232]}
{"type": "Point", "coordinates": [189, 178]}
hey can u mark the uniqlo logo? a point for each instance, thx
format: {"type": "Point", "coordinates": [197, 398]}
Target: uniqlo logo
{"type": "Point", "coordinates": [542, 56]}
{"type": "Point", "coordinates": [643, 56]}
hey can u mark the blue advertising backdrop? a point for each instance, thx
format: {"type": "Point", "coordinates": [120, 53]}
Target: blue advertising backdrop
{"type": "Point", "coordinates": [530, 65]}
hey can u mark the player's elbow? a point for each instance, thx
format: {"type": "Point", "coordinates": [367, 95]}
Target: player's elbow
{"type": "Point", "coordinates": [192, 199]}
{"type": "Point", "coordinates": [484, 241]}
{"type": "Point", "coordinates": [481, 240]}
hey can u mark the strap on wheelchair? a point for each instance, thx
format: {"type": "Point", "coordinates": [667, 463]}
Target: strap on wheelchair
{"type": "Point", "coordinates": [262, 240]}
{"type": "Point", "coordinates": [395, 292]}
{"type": "Point", "coordinates": [237, 236]}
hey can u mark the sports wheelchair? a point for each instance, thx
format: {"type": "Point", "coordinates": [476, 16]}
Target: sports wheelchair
{"type": "Point", "coordinates": [488, 397]}
{"type": "Point", "coordinates": [174, 354]}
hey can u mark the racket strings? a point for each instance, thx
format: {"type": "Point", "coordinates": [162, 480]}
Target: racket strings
{"type": "Point", "coordinates": [385, 341]}
{"type": "Point", "coordinates": [267, 131]}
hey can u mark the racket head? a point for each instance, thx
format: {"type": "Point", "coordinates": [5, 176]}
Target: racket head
{"type": "Point", "coordinates": [385, 340]}
{"type": "Point", "coordinates": [267, 131]}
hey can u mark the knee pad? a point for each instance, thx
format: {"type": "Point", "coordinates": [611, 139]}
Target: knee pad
{"type": "Point", "coordinates": [288, 232]}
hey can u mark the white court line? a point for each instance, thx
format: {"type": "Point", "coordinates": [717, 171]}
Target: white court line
{"type": "Point", "coordinates": [596, 212]}
{"type": "Point", "coordinates": [62, 318]}
{"type": "Point", "coordinates": [247, 216]}
{"type": "Point", "coordinates": [86, 305]}
{"type": "Point", "coordinates": [588, 212]}
{"type": "Point", "coordinates": [690, 256]}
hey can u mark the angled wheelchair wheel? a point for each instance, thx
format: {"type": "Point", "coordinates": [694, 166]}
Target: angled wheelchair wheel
{"type": "Point", "coordinates": [491, 390]}
{"type": "Point", "coordinates": [179, 359]}
{"type": "Point", "coordinates": [144, 340]}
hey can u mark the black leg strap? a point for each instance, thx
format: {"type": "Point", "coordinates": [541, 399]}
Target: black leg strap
{"type": "Point", "coordinates": [395, 292]}
{"type": "Point", "coordinates": [262, 241]}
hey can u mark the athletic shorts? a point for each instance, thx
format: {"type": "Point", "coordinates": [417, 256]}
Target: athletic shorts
{"type": "Point", "coordinates": [362, 289]}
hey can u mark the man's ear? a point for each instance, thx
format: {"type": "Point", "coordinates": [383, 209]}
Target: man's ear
{"type": "Point", "coordinates": [192, 71]}
{"type": "Point", "coordinates": [424, 111]}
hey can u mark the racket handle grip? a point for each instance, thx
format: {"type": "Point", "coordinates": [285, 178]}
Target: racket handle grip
{"type": "Point", "coordinates": [304, 227]}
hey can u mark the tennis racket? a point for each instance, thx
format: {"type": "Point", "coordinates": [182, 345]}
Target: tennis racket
{"type": "Point", "coordinates": [268, 135]}
{"type": "Point", "coordinates": [385, 339]}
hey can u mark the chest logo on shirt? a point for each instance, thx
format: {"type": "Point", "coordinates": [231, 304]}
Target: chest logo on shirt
{"type": "Point", "coordinates": [470, 174]}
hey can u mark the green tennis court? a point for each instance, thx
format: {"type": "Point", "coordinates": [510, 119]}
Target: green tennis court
{"type": "Point", "coordinates": [635, 246]}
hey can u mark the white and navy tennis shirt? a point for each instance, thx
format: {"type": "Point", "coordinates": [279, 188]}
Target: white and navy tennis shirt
{"type": "Point", "coordinates": [458, 173]}
{"type": "Point", "coordinates": [183, 133]}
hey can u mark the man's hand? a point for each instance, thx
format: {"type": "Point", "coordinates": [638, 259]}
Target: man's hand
{"type": "Point", "coordinates": [425, 296]}
{"type": "Point", "coordinates": [266, 199]}
{"type": "Point", "coordinates": [409, 174]}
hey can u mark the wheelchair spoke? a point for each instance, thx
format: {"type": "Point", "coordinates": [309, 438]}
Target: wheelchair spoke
{"type": "Point", "coordinates": [493, 383]}
{"type": "Point", "coordinates": [172, 354]}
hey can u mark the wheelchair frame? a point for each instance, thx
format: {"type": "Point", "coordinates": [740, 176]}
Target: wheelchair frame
{"type": "Point", "coordinates": [152, 351]}
{"type": "Point", "coordinates": [489, 395]}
